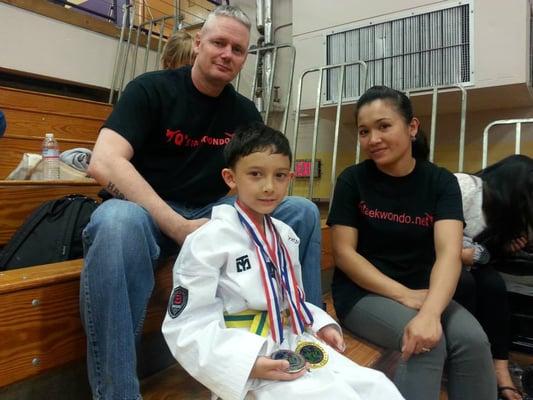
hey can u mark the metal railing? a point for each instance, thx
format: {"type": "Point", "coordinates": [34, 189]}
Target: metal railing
{"type": "Point", "coordinates": [340, 91]}
{"type": "Point", "coordinates": [152, 30]}
{"type": "Point", "coordinates": [267, 94]}
{"type": "Point", "coordinates": [518, 135]}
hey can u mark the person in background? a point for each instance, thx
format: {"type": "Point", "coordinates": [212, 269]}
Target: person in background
{"type": "Point", "coordinates": [397, 223]}
{"type": "Point", "coordinates": [3, 123]}
{"type": "Point", "coordinates": [178, 51]}
{"type": "Point", "coordinates": [498, 210]}
{"type": "Point", "coordinates": [159, 154]}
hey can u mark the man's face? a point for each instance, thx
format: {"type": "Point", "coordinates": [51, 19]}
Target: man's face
{"type": "Point", "coordinates": [221, 49]}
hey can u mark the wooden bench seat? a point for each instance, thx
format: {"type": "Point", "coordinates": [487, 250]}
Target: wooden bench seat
{"type": "Point", "coordinates": [41, 328]}
{"type": "Point", "coordinates": [40, 324]}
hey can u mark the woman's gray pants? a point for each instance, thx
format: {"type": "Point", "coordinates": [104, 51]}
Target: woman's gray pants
{"type": "Point", "coordinates": [464, 349]}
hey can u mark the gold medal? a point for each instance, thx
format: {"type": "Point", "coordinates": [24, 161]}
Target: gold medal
{"type": "Point", "coordinates": [315, 354]}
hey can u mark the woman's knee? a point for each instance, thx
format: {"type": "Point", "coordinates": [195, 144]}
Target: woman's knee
{"type": "Point", "coordinates": [471, 340]}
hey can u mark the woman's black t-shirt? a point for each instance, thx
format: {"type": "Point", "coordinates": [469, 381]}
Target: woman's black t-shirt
{"type": "Point", "coordinates": [394, 217]}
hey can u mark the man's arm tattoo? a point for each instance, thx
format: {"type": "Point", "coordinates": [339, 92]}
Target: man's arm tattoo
{"type": "Point", "coordinates": [111, 188]}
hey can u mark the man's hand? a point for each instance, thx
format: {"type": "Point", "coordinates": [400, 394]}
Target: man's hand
{"type": "Point", "coordinates": [420, 335]}
{"type": "Point", "coordinates": [180, 231]}
{"type": "Point", "coordinates": [413, 298]}
{"type": "Point", "coordinates": [274, 370]}
{"type": "Point", "coordinates": [332, 337]}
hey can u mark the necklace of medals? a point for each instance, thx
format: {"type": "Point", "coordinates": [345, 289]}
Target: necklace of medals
{"type": "Point", "coordinates": [278, 278]}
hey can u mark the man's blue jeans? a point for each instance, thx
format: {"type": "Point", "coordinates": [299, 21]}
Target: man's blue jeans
{"type": "Point", "coordinates": [122, 246]}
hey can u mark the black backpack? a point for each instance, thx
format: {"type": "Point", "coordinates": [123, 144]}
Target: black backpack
{"type": "Point", "coordinates": [52, 233]}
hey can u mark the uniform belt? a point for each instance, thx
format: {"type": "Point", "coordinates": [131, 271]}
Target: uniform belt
{"type": "Point", "coordinates": [256, 321]}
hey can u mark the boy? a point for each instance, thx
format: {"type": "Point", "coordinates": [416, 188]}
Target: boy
{"type": "Point", "coordinates": [237, 307]}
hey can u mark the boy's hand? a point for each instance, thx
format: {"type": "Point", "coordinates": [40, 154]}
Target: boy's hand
{"type": "Point", "coordinates": [333, 337]}
{"type": "Point", "coordinates": [274, 370]}
{"type": "Point", "coordinates": [467, 256]}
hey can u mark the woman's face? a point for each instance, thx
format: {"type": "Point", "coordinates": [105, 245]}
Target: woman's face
{"type": "Point", "coordinates": [386, 137]}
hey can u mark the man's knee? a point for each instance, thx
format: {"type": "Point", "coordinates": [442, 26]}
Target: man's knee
{"type": "Point", "coordinates": [301, 205]}
{"type": "Point", "coordinates": [118, 219]}
{"type": "Point", "coordinates": [297, 211]}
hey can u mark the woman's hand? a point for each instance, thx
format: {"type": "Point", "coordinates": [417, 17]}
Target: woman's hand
{"type": "Point", "coordinates": [420, 335]}
{"type": "Point", "coordinates": [413, 298]}
{"type": "Point", "coordinates": [274, 370]}
{"type": "Point", "coordinates": [332, 337]}
{"type": "Point", "coordinates": [516, 244]}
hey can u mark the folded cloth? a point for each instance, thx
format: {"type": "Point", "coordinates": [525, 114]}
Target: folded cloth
{"type": "Point", "coordinates": [78, 158]}
{"type": "Point", "coordinates": [31, 168]}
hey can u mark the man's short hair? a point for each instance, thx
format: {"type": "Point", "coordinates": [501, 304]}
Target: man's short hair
{"type": "Point", "coordinates": [233, 12]}
{"type": "Point", "coordinates": [255, 137]}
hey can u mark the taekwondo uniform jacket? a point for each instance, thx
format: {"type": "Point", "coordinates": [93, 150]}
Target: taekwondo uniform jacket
{"type": "Point", "coordinates": [217, 272]}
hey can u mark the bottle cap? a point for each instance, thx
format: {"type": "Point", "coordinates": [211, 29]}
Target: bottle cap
{"type": "Point", "coordinates": [49, 135]}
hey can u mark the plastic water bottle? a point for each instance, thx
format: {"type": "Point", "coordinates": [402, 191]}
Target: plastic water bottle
{"type": "Point", "coordinates": [50, 158]}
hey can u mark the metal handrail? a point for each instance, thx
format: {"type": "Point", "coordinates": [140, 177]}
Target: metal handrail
{"type": "Point", "coordinates": [462, 129]}
{"type": "Point", "coordinates": [268, 103]}
{"type": "Point", "coordinates": [123, 48]}
{"type": "Point", "coordinates": [340, 92]}
{"type": "Point", "coordinates": [518, 135]}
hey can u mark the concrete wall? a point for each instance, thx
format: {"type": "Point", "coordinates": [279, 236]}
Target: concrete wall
{"type": "Point", "coordinates": [501, 36]}
{"type": "Point", "coordinates": [44, 46]}
{"type": "Point", "coordinates": [500, 60]}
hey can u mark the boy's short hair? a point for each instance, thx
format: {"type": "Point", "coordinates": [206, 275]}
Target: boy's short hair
{"type": "Point", "coordinates": [255, 137]}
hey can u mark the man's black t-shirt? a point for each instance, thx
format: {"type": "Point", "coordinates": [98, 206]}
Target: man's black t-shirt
{"type": "Point", "coordinates": [178, 134]}
{"type": "Point", "coordinates": [394, 217]}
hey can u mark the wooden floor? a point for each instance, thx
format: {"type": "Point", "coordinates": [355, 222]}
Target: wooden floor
{"type": "Point", "coordinates": [163, 385]}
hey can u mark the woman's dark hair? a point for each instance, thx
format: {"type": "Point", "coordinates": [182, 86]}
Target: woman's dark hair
{"type": "Point", "coordinates": [507, 201]}
{"type": "Point", "coordinates": [255, 137]}
{"type": "Point", "coordinates": [404, 107]}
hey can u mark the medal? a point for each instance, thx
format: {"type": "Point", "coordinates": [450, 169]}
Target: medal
{"type": "Point", "coordinates": [296, 361]}
{"type": "Point", "coordinates": [313, 353]}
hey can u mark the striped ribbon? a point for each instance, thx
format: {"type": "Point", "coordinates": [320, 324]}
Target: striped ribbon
{"type": "Point", "coordinates": [281, 285]}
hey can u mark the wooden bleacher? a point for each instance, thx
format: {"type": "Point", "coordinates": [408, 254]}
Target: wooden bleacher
{"type": "Point", "coordinates": [39, 310]}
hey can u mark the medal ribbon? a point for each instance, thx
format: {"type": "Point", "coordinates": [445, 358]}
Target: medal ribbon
{"type": "Point", "coordinates": [282, 280]}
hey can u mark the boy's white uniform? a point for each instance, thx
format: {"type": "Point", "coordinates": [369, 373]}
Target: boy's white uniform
{"type": "Point", "coordinates": [217, 272]}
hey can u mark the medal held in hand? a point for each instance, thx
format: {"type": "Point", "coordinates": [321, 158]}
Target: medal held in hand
{"type": "Point", "coordinates": [296, 361]}
{"type": "Point", "coordinates": [313, 353]}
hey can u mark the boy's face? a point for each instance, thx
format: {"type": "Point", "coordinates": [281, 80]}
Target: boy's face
{"type": "Point", "coordinates": [261, 180]}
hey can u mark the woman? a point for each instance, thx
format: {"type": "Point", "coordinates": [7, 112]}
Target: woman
{"type": "Point", "coordinates": [396, 232]}
{"type": "Point", "coordinates": [498, 210]}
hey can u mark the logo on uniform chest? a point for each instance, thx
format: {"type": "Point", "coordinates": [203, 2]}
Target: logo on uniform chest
{"type": "Point", "coordinates": [243, 263]}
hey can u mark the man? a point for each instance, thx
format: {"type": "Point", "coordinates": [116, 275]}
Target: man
{"type": "Point", "coordinates": [160, 155]}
